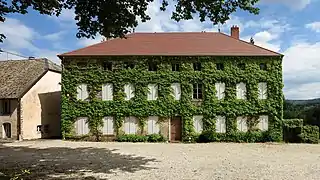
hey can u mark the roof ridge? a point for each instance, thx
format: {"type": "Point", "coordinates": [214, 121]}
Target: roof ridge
{"type": "Point", "coordinates": [242, 41]}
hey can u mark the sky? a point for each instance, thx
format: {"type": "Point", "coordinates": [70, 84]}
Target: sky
{"type": "Point", "coordinates": [291, 27]}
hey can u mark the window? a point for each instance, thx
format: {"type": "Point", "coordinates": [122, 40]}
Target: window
{"type": "Point", "coordinates": [107, 92]}
{"type": "Point", "coordinates": [153, 92]}
{"type": "Point", "coordinates": [176, 91]}
{"type": "Point", "coordinates": [242, 124]}
{"type": "Point", "coordinates": [6, 107]}
{"type": "Point", "coordinates": [81, 126]}
{"type": "Point", "coordinates": [153, 126]}
{"type": "Point", "coordinates": [129, 91]}
{"type": "Point", "coordinates": [6, 130]}
{"type": "Point", "coordinates": [175, 67]}
{"type": "Point", "coordinates": [220, 66]}
{"type": "Point", "coordinates": [130, 125]}
{"type": "Point", "coordinates": [108, 126]}
{"type": "Point", "coordinates": [197, 66]}
{"type": "Point", "coordinates": [262, 90]}
{"type": "Point", "coordinates": [39, 127]}
{"type": "Point", "coordinates": [82, 92]}
{"type": "Point", "coordinates": [263, 66]}
{"type": "Point", "coordinates": [197, 91]}
{"type": "Point", "coordinates": [242, 66]}
{"type": "Point", "coordinates": [152, 66]}
{"type": "Point", "coordinates": [128, 65]}
{"type": "Point", "coordinates": [220, 88]}
{"type": "Point", "coordinates": [263, 123]}
{"type": "Point", "coordinates": [107, 66]}
{"type": "Point", "coordinates": [221, 124]}
{"type": "Point", "coordinates": [241, 91]}
{"type": "Point", "coordinates": [197, 123]}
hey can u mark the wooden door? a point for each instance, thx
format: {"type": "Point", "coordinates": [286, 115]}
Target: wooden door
{"type": "Point", "coordinates": [176, 129]}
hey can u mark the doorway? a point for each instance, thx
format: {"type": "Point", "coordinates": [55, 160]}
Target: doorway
{"type": "Point", "coordinates": [175, 127]}
{"type": "Point", "coordinates": [6, 130]}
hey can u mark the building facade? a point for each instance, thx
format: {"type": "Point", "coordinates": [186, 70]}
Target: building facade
{"type": "Point", "coordinates": [201, 82]}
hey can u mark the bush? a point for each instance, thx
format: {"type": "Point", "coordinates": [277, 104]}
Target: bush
{"type": "Point", "coordinates": [156, 138]}
{"type": "Point", "coordinates": [292, 128]}
{"type": "Point", "coordinates": [140, 138]}
{"type": "Point", "coordinates": [310, 134]}
{"type": "Point", "coordinates": [191, 138]}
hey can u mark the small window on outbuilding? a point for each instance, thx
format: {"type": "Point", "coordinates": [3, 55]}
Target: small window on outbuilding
{"type": "Point", "coordinates": [128, 65]}
{"type": "Point", "coordinates": [6, 130]}
{"type": "Point", "coordinates": [263, 66]}
{"type": "Point", "coordinates": [242, 66]}
{"type": "Point", "coordinates": [197, 66]}
{"type": "Point", "coordinates": [107, 66]}
{"type": "Point", "coordinates": [175, 67]}
{"type": "Point", "coordinates": [220, 66]}
{"type": "Point", "coordinates": [152, 66]}
{"type": "Point", "coordinates": [6, 107]}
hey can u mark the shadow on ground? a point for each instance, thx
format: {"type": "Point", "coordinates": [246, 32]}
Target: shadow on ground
{"type": "Point", "coordinates": [67, 163]}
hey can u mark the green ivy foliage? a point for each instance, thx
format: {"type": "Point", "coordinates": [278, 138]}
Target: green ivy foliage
{"type": "Point", "coordinates": [165, 106]}
{"type": "Point", "coordinates": [310, 134]}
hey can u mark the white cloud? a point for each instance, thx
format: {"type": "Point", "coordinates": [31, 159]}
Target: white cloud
{"type": "Point", "coordinates": [315, 26]}
{"type": "Point", "coordinates": [293, 4]}
{"type": "Point", "coordinates": [55, 36]}
{"type": "Point", "coordinates": [87, 42]}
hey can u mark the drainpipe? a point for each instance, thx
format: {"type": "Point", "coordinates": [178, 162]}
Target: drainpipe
{"type": "Point", "coordinates": [19, 120]}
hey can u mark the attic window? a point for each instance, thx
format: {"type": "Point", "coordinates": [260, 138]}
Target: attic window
{"type": "Point", "coordinates": [263, 66]}
{"type": "Point", "coordinates": [197, 66]}
{"type": "Point", "coordinates": [242, 66]}
{"type": "Point", "coordinates": [128, 65]}
{"type": "Point", "coordinates": [107, 66]}
{"type": "Point", "coordinates": [175, 67]}
{"type": "Point", "coordinates": [220, 66]}
{"type": "Point", "coordinates": [152, 66]}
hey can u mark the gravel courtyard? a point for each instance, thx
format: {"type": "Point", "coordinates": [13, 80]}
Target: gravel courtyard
{"type": "Point", "coordinates": [55, 159]}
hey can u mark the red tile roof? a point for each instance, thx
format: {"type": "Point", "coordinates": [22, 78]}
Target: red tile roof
{"type": "Point", "coordinates": [173, 44]}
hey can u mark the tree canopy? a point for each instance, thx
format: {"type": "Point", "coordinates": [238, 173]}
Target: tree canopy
{"type": "Point", "coordinates": [115, 18]}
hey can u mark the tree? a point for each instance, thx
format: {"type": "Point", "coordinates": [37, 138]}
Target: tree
{"type": "Point", "coordinates": [115, 18]}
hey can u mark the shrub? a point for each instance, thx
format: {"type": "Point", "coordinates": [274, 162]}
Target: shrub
{"type": "Point", "coordinates": [131, 138]}
{"type": "Point", "coordinates": [310, 134]}
{"type": "Point", "coordinates": [156, 138]}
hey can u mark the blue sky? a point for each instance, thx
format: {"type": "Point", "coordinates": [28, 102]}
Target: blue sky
{"type": "Point", "coordinates": [291, 27]}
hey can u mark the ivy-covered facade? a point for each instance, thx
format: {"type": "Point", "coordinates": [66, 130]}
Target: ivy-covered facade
{"type": "Point", "coordinates": [200, 106]}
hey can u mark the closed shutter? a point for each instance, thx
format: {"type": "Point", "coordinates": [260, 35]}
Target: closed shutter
{"type": "Point", "coordinates": [176, 91]}
{"type": "Point", "coordinates": [242, 124]}
{"type": "Point", "coordinates": [220, 88]}
{"type": "Point", "coordinates": [197, 123]}
{"type": "Point", "coordinates": [108, 128]}
{"type": "Point", "coordinates": [107, 92]}
{"type": "Point", "coordinates": [241, 91]}
{"type": "Point", "coordinates": [262, 90]}
{"type": "Point", "coordinates": [153, 92]}
{"type": "Point", "coordinates": [127, 125]}
{"type": "Point", "coordinates": [130, 125]}
{"type": "Point", "coordinates": [82, 92]}
{"type": "Point", "coordinates": [153, 126]}
{"type": "Point", "coordinates": [81, 126]}
{"type": "Point", "coordinates": [79, 92]}
{"type": "Point", "coordinates": [129, 90]}
{"type": "Point", "coordinates": [221, 124]}
{"type": "Point", "coordinates": [263, 123]}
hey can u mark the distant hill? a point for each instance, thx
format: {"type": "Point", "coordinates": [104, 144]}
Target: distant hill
{"type": "Point", "coordinates": [304, 102]}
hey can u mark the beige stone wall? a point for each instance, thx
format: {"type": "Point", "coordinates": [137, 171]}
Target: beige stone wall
{"type": "Point", "coordinates": [41, 107]}
{"type": "Point", "coordinates": [10, 118]}
{"type": "Point", "coordinates": [164, 127]}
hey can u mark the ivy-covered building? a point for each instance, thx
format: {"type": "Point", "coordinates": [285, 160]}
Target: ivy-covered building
{"type": "Point", "coordinates": [175, 84]}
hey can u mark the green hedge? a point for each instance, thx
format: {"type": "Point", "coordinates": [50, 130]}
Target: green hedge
{"type": "Point", "coordinates": [310, 134]}
{"type": "Point", "coordinates": [140, 138]}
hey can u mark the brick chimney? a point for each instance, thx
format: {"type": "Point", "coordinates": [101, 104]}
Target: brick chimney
{"type": "Point", "coordinates": [235, 33]}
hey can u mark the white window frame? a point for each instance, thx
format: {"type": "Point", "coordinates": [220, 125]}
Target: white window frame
{"type": "Point", "coordinates": [263, 124]}
{"type": "Point", "coordinates": [262, 90]}
{"type": "Point", "coordinates": [81, 126]}
{"type": "Point", "coordinates": [129, 91]}
{"type": "Point", "coordinates": [198, 87]}
{"type": "Point", "coordinates": [108, 125]}
{"type": "Point", "coordinates": [82, 92]}
{"type": "Point", "coordinates": [130, 125]}
{"type": "Point", "coordinates": [220, 88]}
{"type": "Point", "coordinates": [221, 126]}
{"type": "Point", "coordinates": [153, 92]}
{"type": "Point", "coordinates": [107, 92]}
{"type": "Point", "coordinates": [241, 91]}
{"type": "Point", "coordinates": [242, 124]}
{"type": "Point", "coordinates": [198, 123]}
{"type": "Point", "coordinates": [153, 125]}
{"type": "Point", "coordinates": [176, 87]}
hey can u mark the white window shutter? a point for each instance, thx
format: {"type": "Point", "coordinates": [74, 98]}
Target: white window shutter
{"type": "Point", "coordinates": [153, 92]}
{"type": "Point", "coordinates": [107, 92]}
{"type": "Point", "coordinates": [242, 124]}
{"type": "Point", "coordinates": [108, 128]}
{"type": "Point", "coordinates": [133, 125]}
{"type": "Point", "coordinates": [262, 89]}
{"type": "Point", "coordinates": [84, 92]}
{"type": "Point", "coordinates": [153, 126]}
{"type": "Point", "coordinates": [127, 125]}
{"type": "Point", "coordinates": [220, 88]}
{"type": "Point", "coordinates": [129, 91]}
{"type": "Point", "coordinates": [176, 90]}
{"type": "Point", "coordinates": [197, 123]}
{"type": "Point", "coordinates": [241, 91]}
{"type": "Point", "coordinates": [221, 124]}
{"type": "Point", "coordinates": [81, 126]}
{"type": "Point", "coordinates": [263, 123]}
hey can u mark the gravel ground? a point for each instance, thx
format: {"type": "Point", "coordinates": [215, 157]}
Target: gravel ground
{"type": "Point", "coordinates": [55, 159]}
